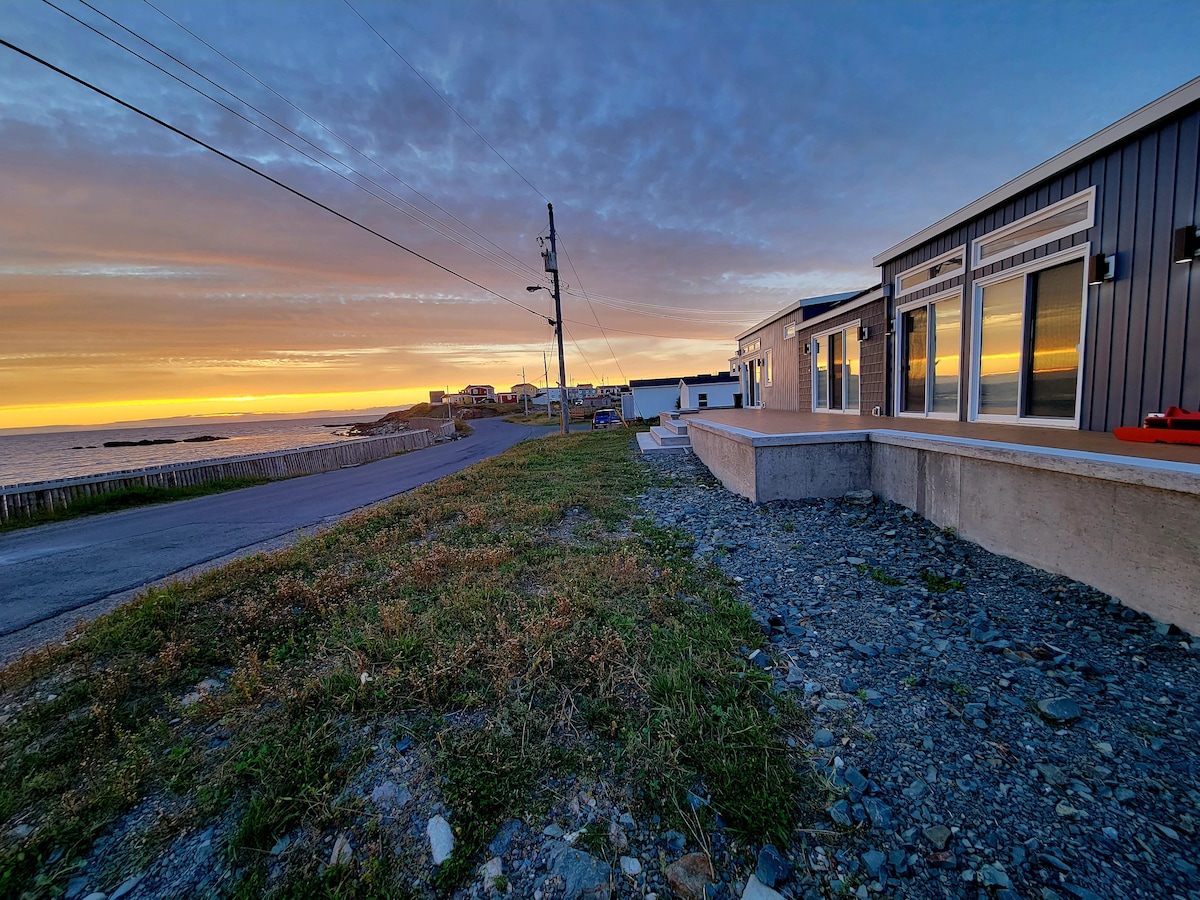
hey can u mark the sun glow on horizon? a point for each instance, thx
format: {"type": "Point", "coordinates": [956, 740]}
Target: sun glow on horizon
{"type": "Point", "coordinates": [109, 412]}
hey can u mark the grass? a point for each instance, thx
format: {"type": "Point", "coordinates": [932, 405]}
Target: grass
{"type": "Point", "coordinates": [516, 620]}
{"type": "Point", "coordinates": [127, 498]}
{"type": "Point", "coordinates": [880, 575]}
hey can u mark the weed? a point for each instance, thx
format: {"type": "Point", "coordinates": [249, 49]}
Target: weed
{"type": "Point", "coordinates": [938, 583]}
{"type": "Point", "coordinates": [879, 575]}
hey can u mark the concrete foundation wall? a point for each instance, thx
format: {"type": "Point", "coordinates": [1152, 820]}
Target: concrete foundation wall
{"type": "Point", "coordinates": [1128, 528]}
{"type": "Point", "coordinates": [25, 500]}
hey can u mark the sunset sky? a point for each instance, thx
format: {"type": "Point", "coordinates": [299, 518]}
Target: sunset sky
{"type": "Point", "coordinates": [708, 164]}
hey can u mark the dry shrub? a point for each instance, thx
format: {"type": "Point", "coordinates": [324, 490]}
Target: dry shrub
{"type": "Point", "coordinates": [396, 618]}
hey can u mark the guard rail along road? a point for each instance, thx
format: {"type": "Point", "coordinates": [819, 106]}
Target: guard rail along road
{"type": "Point", "coordinates": [26, 500]}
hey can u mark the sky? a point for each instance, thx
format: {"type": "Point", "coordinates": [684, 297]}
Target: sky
{"type": "Point", "coordinates": [709, 163]}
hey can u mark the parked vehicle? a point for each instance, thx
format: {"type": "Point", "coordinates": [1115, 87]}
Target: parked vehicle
{"type": "Point", "coordinates": [606, 418]}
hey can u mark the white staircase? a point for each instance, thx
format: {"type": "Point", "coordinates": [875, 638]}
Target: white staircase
{"type": "Point", "coordinates": [669, 437]}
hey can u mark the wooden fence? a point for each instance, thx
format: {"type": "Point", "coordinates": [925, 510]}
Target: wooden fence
{"type": "Point", "coordinates": [24, 500]}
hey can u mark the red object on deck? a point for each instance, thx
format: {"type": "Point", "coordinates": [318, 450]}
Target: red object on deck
{"type": "Point", "coordinates": [1175, 426]}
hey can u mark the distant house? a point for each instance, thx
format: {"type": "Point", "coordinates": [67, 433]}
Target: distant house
{"type": "Point", "coordinates": [612, 390]}
{"type": "Point", "coordinates": [525, 389]}
{"type": "Point", "coordinates": [650, 396]}
{"type": "Point", "coordinates": [472, 394]}
{"type": "Point", "coordinates": [435, 397]}
{"type": "Point", "coordinates": [708, 394]}
{"type": "Point", "coordinates": [506, 397]}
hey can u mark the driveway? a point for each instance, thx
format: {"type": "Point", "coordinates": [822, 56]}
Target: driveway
{"type": "Point", "coordinates": [54, 575]}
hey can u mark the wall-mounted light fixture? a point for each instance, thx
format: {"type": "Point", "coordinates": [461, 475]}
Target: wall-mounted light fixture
{"type": "Point", "coordinates": [806, 348]}
{"type": "Point", "coordinates": [891, 327]}
{"type": "Point", "coordinates": [1102, 268]}
{"type": "Point", "coordinates": [1186, 245]}
{"type": "Point", "coordinates": [863, 333]}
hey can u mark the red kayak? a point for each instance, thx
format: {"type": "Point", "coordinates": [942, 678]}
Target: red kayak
{"type": "Point", "coordinates": [1175, 426]}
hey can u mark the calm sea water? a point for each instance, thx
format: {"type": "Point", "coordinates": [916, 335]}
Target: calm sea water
{"type": "Point", "coordinates": [42, 457]}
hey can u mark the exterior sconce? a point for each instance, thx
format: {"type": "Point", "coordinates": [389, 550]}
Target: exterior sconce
{"type": "Point", "coordinates": [887, 291]}
{"type": "Point", "coordinates": [1102, 268]}
{"type": "Point", "coordinates": [807, 350]}
{"type": "Point", "coordinates": [1186, 245]}
{"type": "Point", "coordinates": [891, 327]}
{"type": "Point", "coordinates": [863, 333]}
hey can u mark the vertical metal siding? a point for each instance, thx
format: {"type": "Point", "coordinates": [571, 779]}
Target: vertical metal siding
{"type": "Point", "coordinates": [1176, 322]}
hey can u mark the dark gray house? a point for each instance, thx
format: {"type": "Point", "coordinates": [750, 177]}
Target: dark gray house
{"type": "Point", "coordinates": [1068, 297]}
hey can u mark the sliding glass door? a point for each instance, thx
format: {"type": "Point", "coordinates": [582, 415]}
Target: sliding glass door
{"type": "Point", "coordinates": [836, 370]}
{"type": "Point", "coordinates": [930, 331]}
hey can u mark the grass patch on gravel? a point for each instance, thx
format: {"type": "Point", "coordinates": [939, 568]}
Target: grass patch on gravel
{"type": "Point", "coordinates": [517, 620]}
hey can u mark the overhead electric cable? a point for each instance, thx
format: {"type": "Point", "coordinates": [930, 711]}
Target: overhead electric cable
{"type": "Point", "coordinates": [592, 309]}
{"type": "Point", "coordinates": [494, 256]}
{"type": "Point", "coordinates": [258, 172]}
{"type": "Point", "coordinates": [449, 105]}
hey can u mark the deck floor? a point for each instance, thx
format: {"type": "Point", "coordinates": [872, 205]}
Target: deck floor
{"type": "Point", "coordinates": [774, 421]}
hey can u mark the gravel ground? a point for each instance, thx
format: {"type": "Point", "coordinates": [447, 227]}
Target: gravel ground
{"type": "Point", "coordinates": [980, 729]}
{"type": "Point", "coordinates": [993, 730]}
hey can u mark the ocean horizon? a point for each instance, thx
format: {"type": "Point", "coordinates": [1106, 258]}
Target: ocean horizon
{"type": "Point", "coordinates": [50, 455]}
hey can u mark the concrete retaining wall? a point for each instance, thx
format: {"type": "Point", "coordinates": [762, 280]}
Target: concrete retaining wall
{"type": "Point", "coordinates": [24, 500]}
{"type": "Point", "coordinates": [1124, 526]}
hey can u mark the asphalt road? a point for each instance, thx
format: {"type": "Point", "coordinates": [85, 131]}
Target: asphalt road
{"type": "Point", "coordinates": [53, 575]}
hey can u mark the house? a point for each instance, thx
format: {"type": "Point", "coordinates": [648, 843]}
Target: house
{"type": "Point", "coordinates": [1068, 297]}
{"type": "Point", "coordinates": [612, 390]}
{"type": "Point", "coordinates": [650, 396]}
{"type": "Point", "coordinates": [507, 397]}
{"type": "Point", "coordinates": [821, 353]}
{"type": "Point", "coordinates": [525, 389]}
{"type": "Point", "coordinates": [472, 394]}
{"type": "Point", "coordinates": [436, 397]}
{"type": "Point", "coordinates": [1015, 334]}
{"type": "Point", "coordinates": [708, 394]}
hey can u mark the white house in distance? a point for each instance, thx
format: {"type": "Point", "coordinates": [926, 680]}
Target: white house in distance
{"type": "Point", "coordinates": [650, 396]}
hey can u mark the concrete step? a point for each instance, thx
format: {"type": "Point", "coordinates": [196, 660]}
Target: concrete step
{"type": "Point", "coordinates": [666, 438]}
{"type": "Point", "coordinates": [648, 445]}
{"type": "Point", "coordinates": [675, 426]}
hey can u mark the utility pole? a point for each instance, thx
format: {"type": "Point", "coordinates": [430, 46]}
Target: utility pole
{"type": "Point", "coordinates": [524, 393]}
{"type": "Point", "coordinates": [551, 258]}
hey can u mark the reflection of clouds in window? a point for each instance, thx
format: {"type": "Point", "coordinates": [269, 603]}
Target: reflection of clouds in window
{"type": "Point", "coordinates": [1067, 217]}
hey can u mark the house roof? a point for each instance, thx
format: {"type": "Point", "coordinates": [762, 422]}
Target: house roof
{"type": "Point", "coordinates": [802, 304]}
{"type": "Point", "coordinates": [1148, 115]}
{"type": "Point", "coordinates": [719, 378]}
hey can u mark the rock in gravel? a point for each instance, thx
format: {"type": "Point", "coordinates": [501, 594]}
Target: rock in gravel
{"type": "Point", "coordinates": [127, 886]}
{"type": "Point", "coordinates": [689, 875]}
{"type": "Point", "coordinates": [631, 866]}
{"type": "Point", "coordinates": [873, 861]}
{"type": "Point", "coordinates": [938, 835]}
{"type": "Point", "coordinates": [441, 839]}
{"type": "Point", "coordinates": [824, 738]}
{"type": "Point", "coordinates": [993, 875]}
{"type": "Point", "coordinates": [772, 868]}
{"type": "Point", "coordinates": [756, 890]}
{"type": "Point", "coordinates": [342, 851]}
{"type": "Point", "coordinates": [492, 870]}
{"type": "Point", "coordinates": [585, 877]}
{"type": "Point", "coordinates": [879, 812]}
{"type": "Point", "coordinates": [840, 813]}
{"type": "Point", "coordinates": [96, 895]}
{"type": "Point", "coordinates": [1059, 709]}
{"type": "Point", "coordinates": [1051, 774]}
{"type": "Point", "coordinates": [859, 498]}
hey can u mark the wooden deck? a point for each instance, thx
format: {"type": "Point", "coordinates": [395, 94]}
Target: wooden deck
{"type": "Point", "coordinates": [770, 421]}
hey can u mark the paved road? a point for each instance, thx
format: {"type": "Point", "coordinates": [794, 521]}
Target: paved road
{"type": "Point", "coordinates": [54, 574]}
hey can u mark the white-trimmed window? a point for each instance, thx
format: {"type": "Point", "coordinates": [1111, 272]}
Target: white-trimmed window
{"type": "Point", "coordinates": [835, 363]}
{"type": "Point", "coordinates": [931, 272]}
{"type": "Point", "coordinates": [928, 348]}
{"type": "Point", "coordinates": [751, 347]}
{"type": "Point", "coordinates": [768, 372]}
{"type": "Point", "coordinates": [1058, 220]}
{"type": "Point", "coordinates": [1026, 342]}
{"type": "Point", "coordinates": [789, 330]}
{"type": "Point", "coordinates": [702, 401]}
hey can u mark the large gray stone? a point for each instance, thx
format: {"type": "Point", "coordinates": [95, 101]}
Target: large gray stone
{"type": "Point", "coordinates": [441, 839]}
{"type": "Point", "coordinates": [584, 876]}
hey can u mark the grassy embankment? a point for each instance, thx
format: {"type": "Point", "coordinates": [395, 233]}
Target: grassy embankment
{"type": "Point", "coordinates": [127, 498]}
{"type": "Point", "coordinates": [516, 621]}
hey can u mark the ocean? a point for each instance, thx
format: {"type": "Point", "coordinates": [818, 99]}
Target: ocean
{"type": "Point", "coordinates": [26, 458]}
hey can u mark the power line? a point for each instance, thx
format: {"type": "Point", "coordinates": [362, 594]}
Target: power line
{"type": "Point", "coordinates": [258, 172]}
{"type": "Point", "coordinates": [526, 270]}
{"type": "Point", "coordinates": [449, 105]}
{"type": "Point", "coordinates": [592, 309]}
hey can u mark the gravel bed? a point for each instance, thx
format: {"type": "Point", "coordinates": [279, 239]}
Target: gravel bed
{"type": "Point", "coordinates": [987, 729]}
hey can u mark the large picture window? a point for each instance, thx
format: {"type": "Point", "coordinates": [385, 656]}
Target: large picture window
{"type": "Point", "coordinates": [930, 340]}
{"type": "Point", "coordinates": [1027, 347]}
{"type": "Point", "coordinates": [835, 357]}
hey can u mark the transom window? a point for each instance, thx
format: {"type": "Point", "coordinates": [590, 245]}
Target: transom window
{"type": "Point", "coordinates": [1027, 344]}
{"type": "Point", "coordinates": [751, 347]}
{"type": "Point", "coordinates": [789, 330]}
{"type": "Point", "coordinates": [1059, 220]}
{"type": "Point", "coordinates": [930, 337]}
{"type": "Point", "coordinates": [930, 272]}
{"type": "Point", "coordinates": [835, 358]}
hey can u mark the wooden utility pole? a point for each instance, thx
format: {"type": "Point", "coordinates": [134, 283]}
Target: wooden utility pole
{"type": "Point", "coordinates": [551, 257]}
